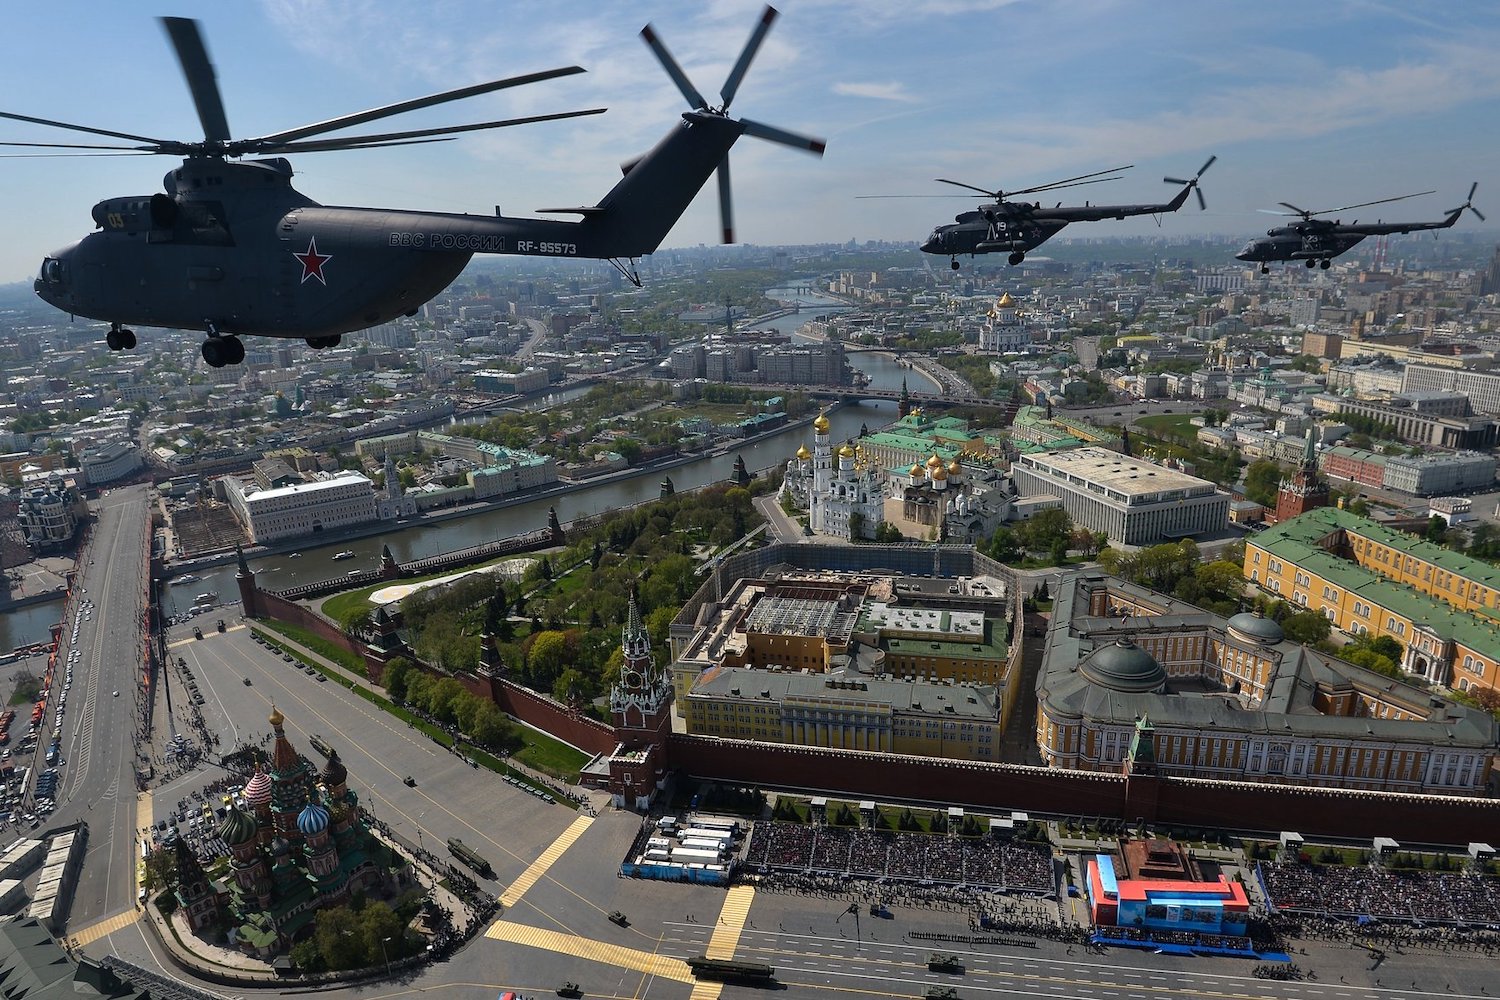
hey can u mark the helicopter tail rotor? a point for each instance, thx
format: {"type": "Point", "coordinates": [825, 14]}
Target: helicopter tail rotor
{"type": "Point", "coordinates": [731, 87]}
{"type": "Point", "coordinates": [1469, 204]}
{"type": "Point", "coordinates": [1192, 182]}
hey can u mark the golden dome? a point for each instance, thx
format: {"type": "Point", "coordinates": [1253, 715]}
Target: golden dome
{"type": "Point", "coordinates": [276, 717]}
{"type": "Point", "coordinates": [915, 470]}
{"type": "Point", "coordinates": [954, 468]}
{"type": "Point", "coordinates": [939, 474]}
{"type": "Point", "coordinates": [934, 462]}
{"type": "Point", "coordinates": [821, 424]}
{"type": "Point", "coordinates": [846, 452]}
{"type": "Point", "coordinates": [1006, 302]}
{"type": "Point", "coordinates": [802, 453]}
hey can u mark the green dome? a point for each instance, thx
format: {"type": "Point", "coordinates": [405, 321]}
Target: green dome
{"type": "Point", "coordinates": [1125, 667]}
{"type": "Point", "coordinates": [238, 827]}
{"type": "Point", "coordinates": [1256, 628]}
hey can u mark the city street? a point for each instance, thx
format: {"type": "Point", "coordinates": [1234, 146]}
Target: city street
{"type": "Point", "coordinates": [100, 729]}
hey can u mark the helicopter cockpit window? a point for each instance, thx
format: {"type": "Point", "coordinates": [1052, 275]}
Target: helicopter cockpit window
{"type": "Point", "coordinates": [54, 271]}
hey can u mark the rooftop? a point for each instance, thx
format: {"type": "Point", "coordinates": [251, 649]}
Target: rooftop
{"type": "Point", "coordinates": [1114, 471]}
{"type": "Point", "coordinates": [977, 701]}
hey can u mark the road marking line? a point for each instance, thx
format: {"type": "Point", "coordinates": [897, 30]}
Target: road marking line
{"type": "Point", "coordinates": [104, 928]}
{"type": "Point", "coordinates": [511, 896]}
{"type": "Point", "coordinates": [618, 956]}
{"type": "Point", "coordinates": [731, 922]}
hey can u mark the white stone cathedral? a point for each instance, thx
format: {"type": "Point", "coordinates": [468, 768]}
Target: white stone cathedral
{"type": "Point", "coordinates": [830, 495]}
{"type": "Point", "coordinates": [1003, 331]}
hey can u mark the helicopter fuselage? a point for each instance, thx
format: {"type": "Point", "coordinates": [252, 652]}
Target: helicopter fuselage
{"type": "Point", "coordinates": [973, 233]}
{"type": "Point", "coordinates": [1300, 243]}
{"type": "Point", "coordinates": [234, 248]}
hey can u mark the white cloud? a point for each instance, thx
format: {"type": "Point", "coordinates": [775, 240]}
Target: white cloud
{"type": "Point", "coordinates": [891, 90]}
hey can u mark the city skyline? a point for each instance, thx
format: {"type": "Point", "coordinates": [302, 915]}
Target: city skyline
{"type": "Point", "coordinates": [1318, 106]}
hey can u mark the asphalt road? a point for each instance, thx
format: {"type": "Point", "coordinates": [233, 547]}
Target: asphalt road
{"type": "Point", "coordinates": [99, 729]}
{"type": "Point", "coordinates": [450, 799]}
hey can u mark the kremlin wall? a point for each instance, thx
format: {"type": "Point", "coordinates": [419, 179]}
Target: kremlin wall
{"type": "Point", "coordinates": [1145, 795]}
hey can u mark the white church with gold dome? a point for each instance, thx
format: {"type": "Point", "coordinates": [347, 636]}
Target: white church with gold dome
{"type": "Point", "coordinates": [832, 493]}
{"type": "Point", "coordinates": [1003, 332]}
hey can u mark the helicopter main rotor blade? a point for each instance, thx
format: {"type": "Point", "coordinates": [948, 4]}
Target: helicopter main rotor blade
{"type": "Point", "coordinates": [192, 55]}
{"type": "Point", "coordinates": [391, 138]}
{"type": "Point", "coordinates": [1070, 181]}
{"type": "Point", "coordinates": [335, 145]}
{"type": "Point", "coordinates": [871, 196]}
{"type": "Point", "coordinates": [1059, 187]}
{"type": "Point", "coordinates": [726, 202]}
{"type": "Point", "coordinates": [763, 131]}
{"type": "Point", "coordinates": [1381, 201]}
{"type": "Point", "coordinates": [732, 82]}
{"type": "Point", "coordinates": [695, 100]}
{"type": "Point", "coordinates": [984, 191]}
{"type": "Point", "coordinates": [74, 145]}
{"type": "Point", "coordinates": [1295, 209]}
{"type": "Point", "coordinates": [359, 118]}
{"type": "Point", "coordinates": [83, 128]}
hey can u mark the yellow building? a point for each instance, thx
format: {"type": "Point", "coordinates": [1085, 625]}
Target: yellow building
{"type": "Point", "coordinates": [1441, 606]}
{"type": "Point", "coordinates": [1234, 699]}
{"type": "Point", "coordinates": [931, 720]}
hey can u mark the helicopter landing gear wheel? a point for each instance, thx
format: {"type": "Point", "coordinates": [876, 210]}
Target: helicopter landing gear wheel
{"type": "Point", "coordinates": [221, 351]}
{"type": "Point", "coordinates": [953, 264]}
{"type": "Point", "coordinates": [1016, 257]}
{"type": "Point", "coordinates": [120, 338]}
{"type": "Point", "coordinates": [320, 343]}
{"type": "Point", "coordinates": [1311, 262]}
{"type": "Point", "coordinates": [1325, 263]}
{"type": "Point", "coordinates": [1265, 269]}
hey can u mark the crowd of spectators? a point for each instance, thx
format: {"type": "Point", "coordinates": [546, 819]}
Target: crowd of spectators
{"type": "Point", "coordinates": [1376, 894]}
{"type": "Point", "coordinates": [918, 857]}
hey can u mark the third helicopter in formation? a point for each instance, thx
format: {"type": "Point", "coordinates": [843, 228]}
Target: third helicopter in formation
{"type": "Point", "coordinates": [1317, 241]}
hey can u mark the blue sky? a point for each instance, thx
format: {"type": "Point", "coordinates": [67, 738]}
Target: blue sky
{"type": "Point", "coordinates": [1320, 104]}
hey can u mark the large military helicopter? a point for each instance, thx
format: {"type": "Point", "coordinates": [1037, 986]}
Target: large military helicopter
{"type": "Point", "coordinates": [1317, 241]}
{"type": "Point", "coordinates": [1019, 226]}
{"type": "Point", "coordinates": [231, 248]}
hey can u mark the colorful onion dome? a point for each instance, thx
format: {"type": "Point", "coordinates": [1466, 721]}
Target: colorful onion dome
{"type": "Point", "coordinates": [934, 462]}
{"type": "Point", "coordinates": [334, 772]}
{"type": "Point", "coordinates": [238, 827]}
{"type": "Point", "coordinates": [258, 789]}
{"type": "Point", "coordinates": [803, 454]}
{"type": "Point", "coordinates": [915, 470]}
{"type": "Point", "coordinates": [821, 424]}
{"type": "Point", "coordinates": [312, 819]}
{"type": "Point", "coordinates": [276, 717]}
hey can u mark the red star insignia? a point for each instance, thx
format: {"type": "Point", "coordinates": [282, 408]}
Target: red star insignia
{"type": "Point", "coordinates": [312, 262]}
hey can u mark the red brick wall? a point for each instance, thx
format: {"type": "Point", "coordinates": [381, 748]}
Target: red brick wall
{"type": "Point", "coordinates": [870, 775]}
{"type": "Point", "coordinates": [588, 735]}
{"type": "Point", "coordinates": [273, 606]}
{"type": "Point", "coordinates": [1178, 801]}
{"type": "Point", "coordinates": [1357, 815]}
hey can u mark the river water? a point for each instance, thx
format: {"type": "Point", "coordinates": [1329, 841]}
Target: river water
{"type": "Point", "coordinates": [316, 563]}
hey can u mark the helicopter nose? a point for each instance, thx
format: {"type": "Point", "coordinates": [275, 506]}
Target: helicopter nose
{"type": "Point", "coordinates": [52, 282]}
